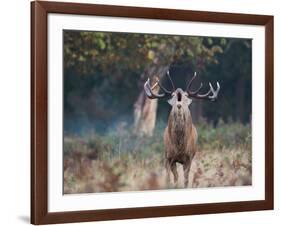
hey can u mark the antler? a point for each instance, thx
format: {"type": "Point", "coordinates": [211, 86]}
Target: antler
{"type": "Point", "coordinates": [212, 94]}
{"type": "Point", "coordinates": [148, 89]}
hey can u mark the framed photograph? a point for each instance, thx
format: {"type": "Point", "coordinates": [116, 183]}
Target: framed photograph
{"type": "Point", "coordinates": [147, 112]}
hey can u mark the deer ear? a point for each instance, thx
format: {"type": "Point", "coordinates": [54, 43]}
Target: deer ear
{"type": "Point", "coordinates": [171, 101]}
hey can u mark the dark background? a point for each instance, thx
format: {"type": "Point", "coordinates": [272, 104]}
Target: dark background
{"type": "Point", "coordinates": [104, 74]}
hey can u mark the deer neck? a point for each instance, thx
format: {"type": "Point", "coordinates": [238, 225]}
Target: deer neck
{"type": "Point", "coordinates": [180, 127]}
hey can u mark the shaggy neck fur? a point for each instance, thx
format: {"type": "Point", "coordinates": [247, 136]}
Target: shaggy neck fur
{"type": "Point", "coordinates": [180, 126]}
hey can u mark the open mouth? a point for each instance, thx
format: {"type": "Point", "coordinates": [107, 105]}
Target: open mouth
{"type": "Point", "coordinates": [179, 97]}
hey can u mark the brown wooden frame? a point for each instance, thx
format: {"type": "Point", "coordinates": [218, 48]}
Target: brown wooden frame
{"type": "Point", "coordinates": [39, 109]}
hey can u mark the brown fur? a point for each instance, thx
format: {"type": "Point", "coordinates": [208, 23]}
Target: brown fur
{"type": "Point", "coordinates": [180, 139]}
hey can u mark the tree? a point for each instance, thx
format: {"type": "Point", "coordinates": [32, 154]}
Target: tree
{"type": "Point", "coordinates": [235, 74]}
{"type": "Point", "coordinates": [126, 59]}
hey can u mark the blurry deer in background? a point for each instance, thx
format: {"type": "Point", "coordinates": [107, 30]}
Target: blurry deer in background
{"type": "Point", "coordinates": [180, 136]}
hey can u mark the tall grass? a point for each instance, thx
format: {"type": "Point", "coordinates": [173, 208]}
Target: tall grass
{"type": "Point", "coordinates": [119, 160]}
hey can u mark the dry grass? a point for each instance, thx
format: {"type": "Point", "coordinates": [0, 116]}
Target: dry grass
{"type": "Point", "coordinates": [120, 161]}
{"type": "Point", "coordinates": [210, 168]}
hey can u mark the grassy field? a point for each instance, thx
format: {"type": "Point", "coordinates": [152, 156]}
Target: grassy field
{"type": "Point", "coordinates": [120, 161]}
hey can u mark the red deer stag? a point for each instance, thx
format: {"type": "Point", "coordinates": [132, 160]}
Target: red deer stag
{"type": "Point", "coordinates": [180, 136]}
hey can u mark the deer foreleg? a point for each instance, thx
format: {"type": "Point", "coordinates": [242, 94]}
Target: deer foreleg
{"type": "Point", "coordinates": [186, 169]}
{"type": "Point", "coordinates": [168, 169]}
{"type": "Point", "coordinates": [174, 171]}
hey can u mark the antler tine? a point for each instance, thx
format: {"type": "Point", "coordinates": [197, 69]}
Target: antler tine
{"type": "Point", "coordinates": [149, 93]}
{"type": "Point", "coordinates": [192, 93]}
{"type": "Point", "coordinates": [197, 91]}
{"type": "Point", "coordinates": [204, 95]}
{"type": "Point", "coordinates": [148, 89]}
{"type": "Point", "coordinates": [191, 81]}
{"type": "Point", "coordinates": [168, 74]}
{"type": "Point", "coordinates": [162, 87]}
{"type": "Point", "coordinates": [214, 93]}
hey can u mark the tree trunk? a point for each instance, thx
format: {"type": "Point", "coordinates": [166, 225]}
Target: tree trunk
{"type": "Point", "coordinates": [145, 109]}
{"type": "Point", "coordinates": [145, 116]}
